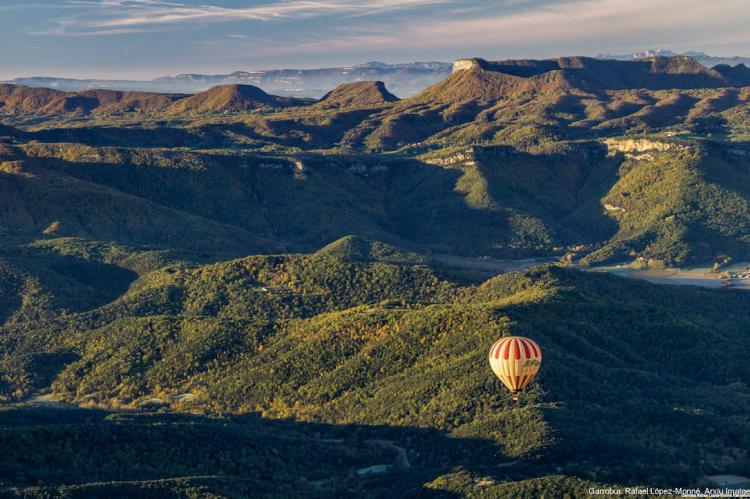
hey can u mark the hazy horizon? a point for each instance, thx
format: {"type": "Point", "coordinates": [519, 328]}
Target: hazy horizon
{"type": "Point", "coordinates": [156, 75]}
{"type": "Point", "coordinates": [145, 39]}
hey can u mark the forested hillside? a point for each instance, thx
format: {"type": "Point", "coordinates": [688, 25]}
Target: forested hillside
{"type": "Point", "coordinates": [198, 293]}
{"type": "Point", "coordinates": [671, 201]}
{"type": "Point", "coordinates": [375, 344]}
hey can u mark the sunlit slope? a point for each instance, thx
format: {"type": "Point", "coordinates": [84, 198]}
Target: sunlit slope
{"type": "Point", "coordinates": [367, 342]}
{"type": "Point", "coordinates": [526, 103]}
{"type": "Point", "coordinates": [676, 202]}
{"type": "Point", "coordinates": [533, 103]}
{"type": "Point", "coordinates": [17, 100]}
{"type": "Point", "coordinates": [686, 205]}
{"type": "Point", "coordinates": [360, 94]}
{"type": "Point", "coordinates": [230, 99]}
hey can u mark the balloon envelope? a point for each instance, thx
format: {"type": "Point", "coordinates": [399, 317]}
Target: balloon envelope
{"type": "Point", "coordinates": [515, 360]}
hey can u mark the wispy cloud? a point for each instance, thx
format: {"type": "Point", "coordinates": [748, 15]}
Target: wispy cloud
{"type": "Point", "coordinates": [195, 36]}
{"type": "Point", "coordinates": [528, 27]}
{"type": "Point", "coordinates": [592, 23]}
{"type": "Point", "coordinates": [101, 17]}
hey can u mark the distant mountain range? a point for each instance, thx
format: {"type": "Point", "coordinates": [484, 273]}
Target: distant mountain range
{"type": "Point", "coordinates": [705, 59]}
{"type": "Point", "coordinates": [402, 79]}
{"type": "Point", "coordinates": [486, 82]}
{"type": "Point", "coordinates": [19, 100]}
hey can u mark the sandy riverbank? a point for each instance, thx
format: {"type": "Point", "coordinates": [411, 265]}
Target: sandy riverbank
{"type": "Point", "coordinates": [694, 276]}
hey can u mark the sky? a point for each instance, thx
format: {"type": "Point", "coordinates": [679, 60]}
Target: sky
{"type": "Point", "coordinates": [140, 39]}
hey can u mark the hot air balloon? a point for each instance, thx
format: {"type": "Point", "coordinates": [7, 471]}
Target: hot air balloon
{"type": "Point", "coordinates": [515, 360]}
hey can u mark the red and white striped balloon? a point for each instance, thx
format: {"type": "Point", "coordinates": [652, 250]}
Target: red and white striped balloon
{"type": "Point", "coordinates": [515, 360]}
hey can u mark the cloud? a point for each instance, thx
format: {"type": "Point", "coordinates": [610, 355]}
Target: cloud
{"type": "Point", "coordinates": [439, 29]}
{"type": "Point", "coordinates": [100, 17]}
{"type": "Point", "coordinates": [450, 24]}
{"type": "Point", "coordinates": [593, 20]}
{"type": "Point", "coordinates": [574, 23]}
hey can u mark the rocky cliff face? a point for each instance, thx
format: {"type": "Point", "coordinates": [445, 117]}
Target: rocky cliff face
{"type": "Point", "coordinates": [637, 145]}
{"type": "Point", "coordinates": [466, 64]}
{"type": "Point", "coordinates": [656, 73]}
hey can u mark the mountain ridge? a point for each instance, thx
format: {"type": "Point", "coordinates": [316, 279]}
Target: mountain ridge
{"type": "Point", "coordinates": [16, 99]}
{"type": "Point", "coordinates": [231, 98]}
{"type": "Point", "coordinates": [405, 79]}
{"type": "Point", "coordinates": [222, 98]}
{"type": "Point", "coordinates": [654, 73]}
{"type": "Point", "coordinates": [705, 59]}
{"type": "Point", "coordinates": [487, 80]}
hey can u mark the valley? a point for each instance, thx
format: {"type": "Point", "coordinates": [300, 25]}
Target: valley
{"type": "Point", "coordinates": [218, 286]}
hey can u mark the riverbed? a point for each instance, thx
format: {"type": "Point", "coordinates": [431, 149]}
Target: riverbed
{"type": "Point", "coordinates": [701, 275]}
{"type": "Point", "coordinates": [694, 276]}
